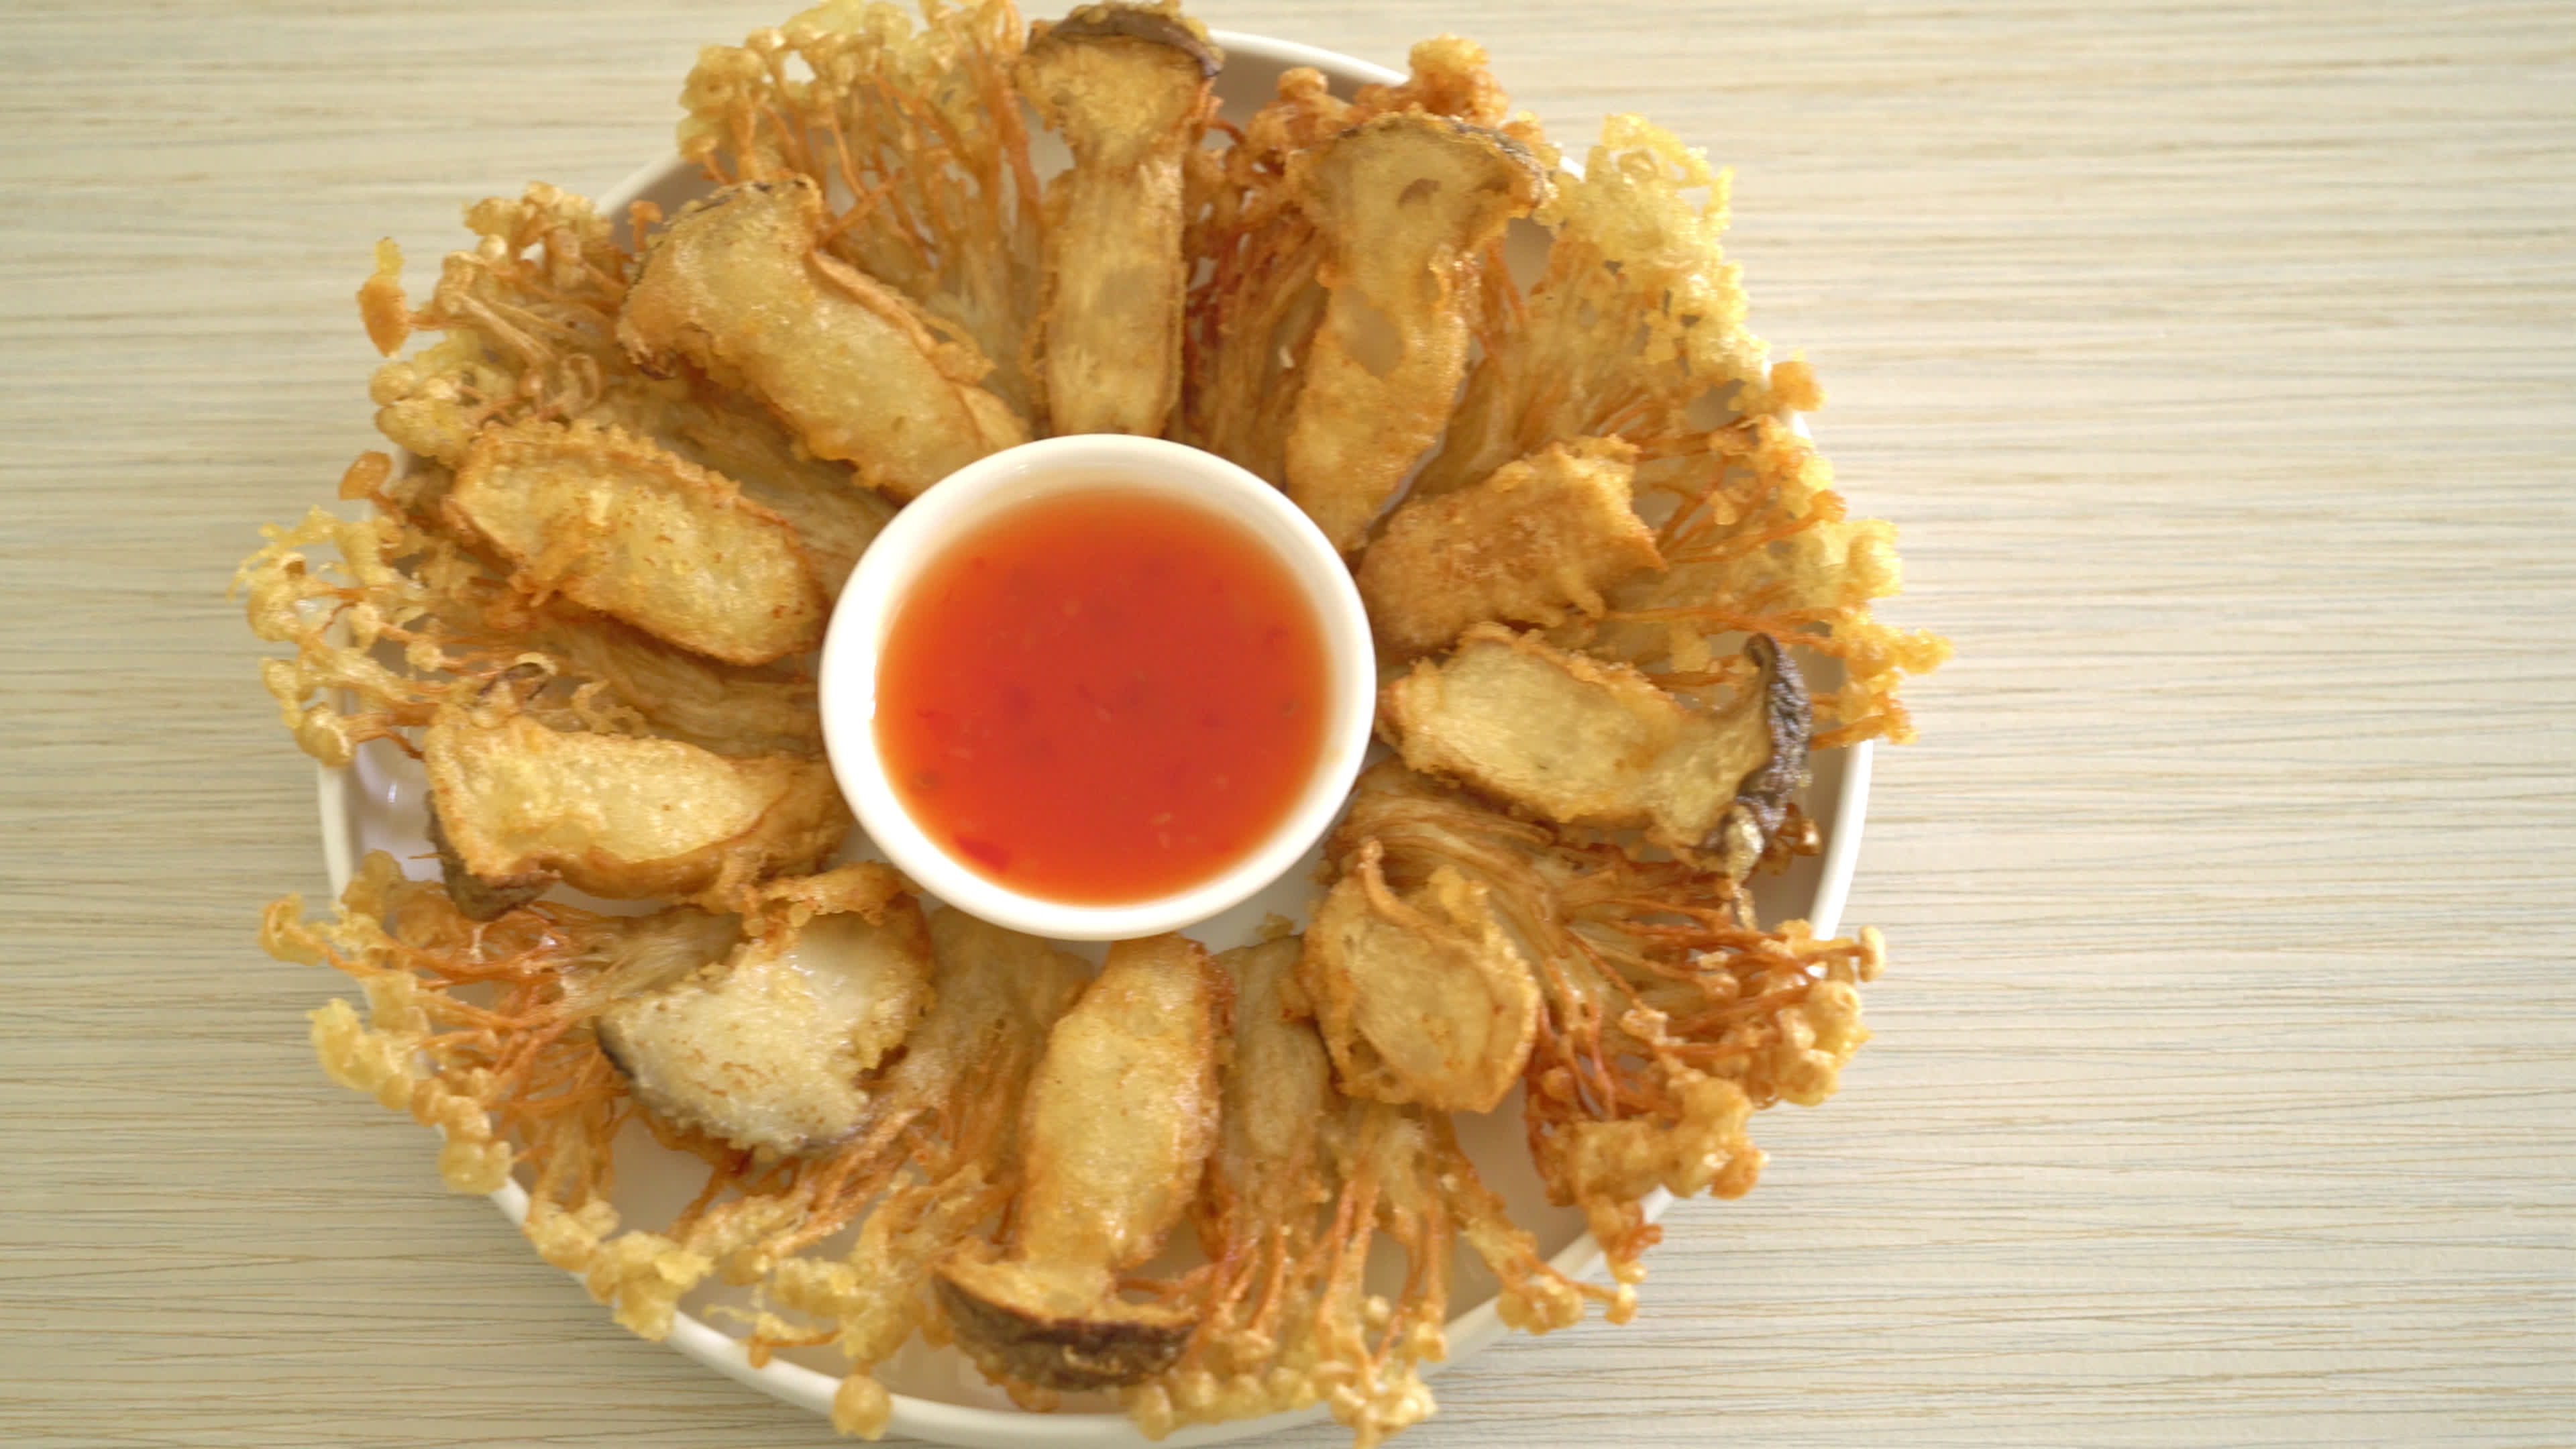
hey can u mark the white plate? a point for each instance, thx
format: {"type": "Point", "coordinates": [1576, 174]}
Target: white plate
{"type": "Point", "coordinates": [377, 804]}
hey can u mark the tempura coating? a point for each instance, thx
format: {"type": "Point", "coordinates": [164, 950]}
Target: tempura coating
{"type": "Point", "coordinates": [1578, 741]}
{"type": "Point", "coordinates": [855, 97]}
{"type": "Point", "coordinates": [1536, 543]}
{"type": "Point", "coordinates": [772, 1046]}
{"type": "Point", "coordinates": [1636, 327]}
{"type": "Point", "coordinates": [627, 528]}
{"type": "Point", "coordinates": [736, 286]}
{"type": "Point", "coordinates": [622, 816]}
{"type": "Point", "coordinates": [1254, 308]}
{"type": "Point", "coordinates": [1277, 1099]}
{"type": "Point", "coordinates": [1120, 1118]}
{"type": "Point", "coordinates": [1407, 205]}
{"type": "Point", "coordinates": [1127, 87]}
{"type": "Point", "coordinates": [1423, 997]}
{"type": "Point", "coordinates": [835, 516]}
{"type": "Point", "coordinates": [963, 1071]}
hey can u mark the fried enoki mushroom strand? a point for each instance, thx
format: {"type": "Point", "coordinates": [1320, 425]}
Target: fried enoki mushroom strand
{"type": "Point", "coordinates": [1665, 1021]}
{"type": "Point", "coordinates": [914, 133]}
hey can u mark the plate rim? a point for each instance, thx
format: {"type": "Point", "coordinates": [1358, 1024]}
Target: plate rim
{"type": "Point", "coordinates": [1467, 1333]}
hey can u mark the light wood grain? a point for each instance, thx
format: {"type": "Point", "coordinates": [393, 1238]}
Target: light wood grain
{"type": "Point", "coordinates": [2220, 366]}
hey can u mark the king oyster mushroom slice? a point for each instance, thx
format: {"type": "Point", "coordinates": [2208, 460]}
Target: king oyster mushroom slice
{"type": "Point", "coordinates": [773, 1045]}
{"type": "Point", "coordinates": [1116, 1131]}
{"type": "Point", "coordinates": [738, 286]}
{"type": "Point", "coordinates": [1127, 87]}
{"type": "Point", "coordinates": [1584, 742]}
{"type": "Point", "coordinates": [1407, 204]}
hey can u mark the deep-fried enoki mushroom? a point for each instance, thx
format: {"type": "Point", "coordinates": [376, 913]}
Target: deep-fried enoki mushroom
{"type": "Point", "coordinates": [1120, 1119]}
{"type": "Point", "coordinates": [963, 1070]}
{"type": "Point", "coordinates": [736, 286]}
{"type": "Point", "coordinates": [773, 1045]}
{"type": "Point", "coordinates": [1407, 205]}
{"type": "Point", "coordinates": [855, 97]}
{"type": "Point", "coordinates": [1127, 87]}
{"type": "Point", "coordinates": [621, 816]}
{"type": "Point", "coordinates": [1536, 543]}
{"type": "Point", "coordinates": [619, 525]}
{"type": "Point", "coordinates": [1665, 1018]}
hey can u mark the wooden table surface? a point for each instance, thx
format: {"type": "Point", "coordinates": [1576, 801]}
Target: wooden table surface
{"type": "Point", "coordinates": [2219, 362]}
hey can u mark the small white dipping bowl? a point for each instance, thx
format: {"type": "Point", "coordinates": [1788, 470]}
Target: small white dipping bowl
{"type": "Point", "coordinates": [985, 490]}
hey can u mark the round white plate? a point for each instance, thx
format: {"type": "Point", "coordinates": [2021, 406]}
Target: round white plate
{"type": "Point", "coordinates": [377, 804]}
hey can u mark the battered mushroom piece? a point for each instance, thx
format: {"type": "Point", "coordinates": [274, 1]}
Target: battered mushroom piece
{"type": "Point", "coordinates": [1586, 743]}
{"type": "Point", "coordinates": [771, 1046]}
{"type": "Point", "coordinates": [1278, 1097]}
{"type": "Point", "coordinates": [1407, 204]}
{"type": "Point", "coordinates": [1126, 86]}
{"type": "Point", "coordinates": [1120, 1118]}
{"type": "Point", "coordinates": [736, 285]}
{"type": "Point", "coordinates": [481, 899]}
{"type": "Point", "coordinates": [621, 816]}
{"type": "Point", "coordinates": [623, 526]}
{"type": "Point", "coordinates": [1535, 543]}
{"type": "Point", "coordinates": [1422, 997]}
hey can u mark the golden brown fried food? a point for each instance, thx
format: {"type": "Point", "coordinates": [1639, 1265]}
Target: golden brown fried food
{"type": "Point", "coordinates": [1422, 997]}
{"type": "Point", "coordinates": [1127, 87]}
{"type": "Point", "coordinates": [853, 97]}
{"type": "Point", "coordinates": [1407, 205]}
{"type": "Point", "coordinates": [627, 528]}
{"type": "Point", "coordinates": [1278, 1097]}
{"type": "Point", "coordinates": [1535, 543]}
{"type": "Point", "coordinates": [1758, 542]}
{"type": "Point", "coordinates": [772, 1045]}
{"type": "Point", "coordinates": [1652, 987]}
{"type": "Point", "coordinates": [735, 286]}
{"type": "Point", "coordinates": [621, 816]}
{"type": "Point", "coordinates": [1120, 1119]}
{"type": "Point", "coordinates": [964, 1069]}
{"type": "Point", "coordinates": [1576, 740]}
{"type": "Point", "coordinates": [528, 316]}
{"type": "Point", "coordinates": [835, 516]}
{"type": "Point", "coordinates": [878, 294]}
{"type": "Point", "coordinates": [1636, 328]}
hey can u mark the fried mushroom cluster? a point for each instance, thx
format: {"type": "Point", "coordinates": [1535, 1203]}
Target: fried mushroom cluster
{"type": "Point", "coordinates": [1618, 605]}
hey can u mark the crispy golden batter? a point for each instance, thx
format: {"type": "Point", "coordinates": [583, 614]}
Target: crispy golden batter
{"type": "Point", "coordinates": [1636, 328]}
{"type": "Point", "coordinates": [1127, 87]}
{"type": "Point", "coordinates": [1651, 986]}
{"type": "Point", "coordinates": [736, 286]}
{"type": "Point", "coordinates": [1534, 544]}
{"type": "Point", "coordinates": [1278, 1098]}
{"type": "Point", "coordinates": [852, 95]}
{"type": "Point", "coordinates": [631, 530]}
{"type": "Point", "coordinates": [1121, 1117]}
{"type": "Point", "coordinates": [771, 1046]}
{"type": "Point", "coordinates": [621, 816]}
{"type": "Point", "coordinates": [1407, 206]}
{"type": "Point", "coordinates": [1253, 313]}
{"type": "Point", "coordinates": [1578, 741]}
{"type": "Point", "coordinates": [1423, 997]}
{"type": "Point", "coordinates": [965, 1068]}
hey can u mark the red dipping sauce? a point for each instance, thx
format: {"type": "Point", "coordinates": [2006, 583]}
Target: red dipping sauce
{"type": "Point", "coordinates": [1101, 698]}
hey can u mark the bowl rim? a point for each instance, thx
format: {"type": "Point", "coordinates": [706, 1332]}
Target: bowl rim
{"type": "Point", "coordinates": [999, 485]}
{"type": "Point", "coordinates": [1467, 1333]}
